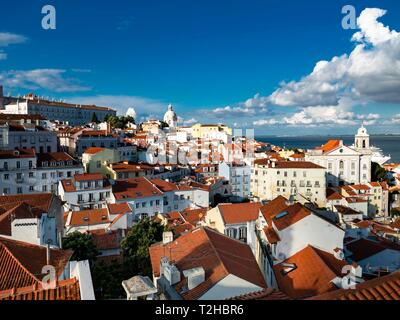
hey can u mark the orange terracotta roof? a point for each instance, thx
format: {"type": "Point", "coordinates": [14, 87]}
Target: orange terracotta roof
{"type": "Point", "coordinates": [288, 164]}
{"type": "Point", "coordinates": [17, 154]}
{"type": "Point", "coordinates": [118, 208]}
{"type": "Point", "coordinates": [271, 235]}
{"type": "Point", "coordinates": [94, 150]}
{"type": "Point", "coordinates": [134, 189]}
{"type": "Point", "coordinates": [88, 177]}
{"type": "Point", "coordinates": [330, 145]}
{"type": "Point", "coordinates": [65, 290]}
{"type": "Point", "coordinates": [333, 195]}
{"type": "Point", "coordinates": [218, 254]}
{"type": "Point", "coordinates": [240, 212]}
{"type": "Point", "coordinates": [21, 263]}
{"type": "Point", "coordinates": [312, 274]}
{"type": "Point", "coordinates": [265, 294]}
{"type": "Point", "coordinates": [291, 215]}
{"type": "Point", "coordinates": [42, 201]}
{"type": "Point", "coordinates": [88, 217]}
{"type": "Point", "coordinates": [106, 240]}
{"type": "Point", "coordinates": [274, 207]}
{"type": "Point", "coordinates": [20, 211]}
{"type": "Point", "coordinates": [382, 288]}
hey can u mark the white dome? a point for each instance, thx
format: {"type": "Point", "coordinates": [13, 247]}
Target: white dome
{"type": "Point", "coordinates": [170, 116]}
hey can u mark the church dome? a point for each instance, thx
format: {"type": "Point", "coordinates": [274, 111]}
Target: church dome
{"type": "Point", "coordinates": [170, 116]}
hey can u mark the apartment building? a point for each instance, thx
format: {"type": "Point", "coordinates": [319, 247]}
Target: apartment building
{"type": "Point", "coordinates": [239, 177]}
{"type": "Point", "coordinates": [301, 180]}
{"type": "Point", "coordinates": [27, 136]}
{"type": "Point", "coordinates": [73, 114]}
{"type": "Point", "coordinates": [85, 191]}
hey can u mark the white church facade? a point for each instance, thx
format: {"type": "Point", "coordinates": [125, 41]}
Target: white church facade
{"type": "Point", "coordinates": [345, 164]}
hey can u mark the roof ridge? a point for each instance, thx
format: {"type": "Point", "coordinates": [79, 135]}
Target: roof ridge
{"type": "Point", "coordinates": [17, 261]}
{"type": "Point", "coordinates": [316, 251]}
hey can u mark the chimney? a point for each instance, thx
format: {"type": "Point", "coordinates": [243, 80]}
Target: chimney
{"type": "Point", "coordinates": [168, 237]}
{"type": "Point", "coordinates": [48, 253]}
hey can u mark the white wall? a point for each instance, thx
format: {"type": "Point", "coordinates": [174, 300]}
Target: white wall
{"type": "Point", "coordinates": [230, 286]}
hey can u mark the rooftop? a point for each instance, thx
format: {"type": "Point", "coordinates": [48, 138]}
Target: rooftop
{"type": "Point", "coordinates": [218, 254]}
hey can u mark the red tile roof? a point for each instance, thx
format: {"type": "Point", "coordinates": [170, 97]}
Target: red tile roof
{"type": "Point", "coordinates": [333, 195]}
{"type": "Point", "coordinates": [20, 211]}
{"type": "Point", "coordinates": [17, 154]}
{"type": "Point", "coordinates": [271, 235]}
{"type": "Point", "coordinates": [88, 217]}
{"type": "Point", "coordinates": [88, 177]}
{"type": "Point", "coordinates": [273, 208]}
{"type": "Point", "coordinates": [218, 254]}
{"type": "Point", "coordinates": [293, 214]}
{"type": "Point", "coordinates": [287, 164]}
{"type": "Point", "coordinates": [383, 288]}
{"type": "Point", "coordinates": [330, 145]}
{"type": "Point", "coordinates": [65, 290]}
{"type": "Point", "coordinates": [135, 189]}
{"type": "Point", "coordinates": [265, 294]}
{"type": "Point", "coordinates": [239, 213]}
{"type": "Point", "coordinates": [118, 208]}
{"type": "Point", "coordinates": [104, 240]}
{"type": "Point", "coordinates": [313, 272]}
{"type": "Point", "coordinates": [94, 150]}
{"type": "Point", "coordinates": [42, 201]}
{"type": "Point", "coordinates": [21, 263]}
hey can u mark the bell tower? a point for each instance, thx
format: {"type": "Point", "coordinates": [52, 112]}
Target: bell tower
{"type": "Point", "coordinates": [362, 139]}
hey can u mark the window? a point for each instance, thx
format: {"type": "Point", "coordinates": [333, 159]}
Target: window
{"type": "Point", "coordinates": [31, 174]}
{"type": "Point", "coordinates": [44, 188]}
{"type": "Point", "coordinates": [341, 165]}
{"type": "Point", "coordinates": [31, 188]}
{"type": "Point", "coordinates": [137, 205]}
{"type": "Point", "coordinates": [19, 190]}
{"type": "Point", "coordinates": [44, 176]}
{"type": "Point", "coordinates": [6, 176]}
{"type": "Point", "coordinates": [18, 164]}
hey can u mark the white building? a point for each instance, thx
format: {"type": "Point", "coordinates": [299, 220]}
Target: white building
{"type": "Point", "coordinates": [304, 181]}
{"type": "Point", "coordinates": [85, 191]}
{"type": "Point", "coordinates": [17, 172]}
{"type": "Point", "coordinates": [27, 136]}
{"type": "Point", "coordinates": [285, 228]}
{"type": "Point", "coordinates": [345, 165]}
{"type": "Point", "coordinates": [73, 114]}
{"type": "Point", "coordinates": [239, 177]}
{"type": "Point", "coordinates": [170, 117]}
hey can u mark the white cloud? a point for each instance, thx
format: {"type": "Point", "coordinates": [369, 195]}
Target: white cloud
{"type": "Point", "coordinates": [131, 112]}
{"type": "Point", "coordinates": [144, 107]}
{"type": "Point", "coordinates": [370, 73]}
{"type": "Point", "coordinates": [7, 39]}
{"type": "Point", "coordinates": [324, 115]}
{"type": "Point", "coordinates": [49, 79]}
{"type": "Point", "coordinates": [396, 119]}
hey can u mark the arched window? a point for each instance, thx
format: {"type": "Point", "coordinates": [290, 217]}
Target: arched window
{"type": "Point", "coordinates": [341, 164]}
{"type": "Point", "coordinates": [364, 144]}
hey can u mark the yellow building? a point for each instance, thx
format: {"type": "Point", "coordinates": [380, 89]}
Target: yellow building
{"type": "Point", "coordinates": [206, 131]}
{"type": "Point", "coordinates": [96, 160]}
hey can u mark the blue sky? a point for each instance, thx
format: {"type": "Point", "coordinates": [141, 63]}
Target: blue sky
{"type": "Point", "coordinates": [209, 58]}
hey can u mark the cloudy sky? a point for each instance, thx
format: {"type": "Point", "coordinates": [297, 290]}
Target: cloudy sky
{"type": "Point", "coordinates": [281, 67]}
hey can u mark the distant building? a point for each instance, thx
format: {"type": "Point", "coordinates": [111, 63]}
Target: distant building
{"type": "Point", "coordinates": [73, 114]}
{"type": "Point", "coordinates": [170, 117]}
{"type": "Point", "coordinates": [304, 181]}
{"type": "Point", "coordinates": [345, 165]}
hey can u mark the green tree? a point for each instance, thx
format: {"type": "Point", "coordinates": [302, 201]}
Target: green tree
{"type": "Point", "coordinates": [377, 172]}
{"type": "Point", "coordinates": [82, 245]}
{"type": "Point", "coordinates": [107, 280]}
{"type": "Point", "coordinates": [94, 118]}
{"type": "Point", "coordinates": [395, 212]}
{"type": "Point", "coordinates": [135, 246]}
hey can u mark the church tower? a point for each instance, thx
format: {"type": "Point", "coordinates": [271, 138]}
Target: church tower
{"type": "Point", "coordinates": [170, 117]}
{"type": "Point", "coordinates": [362, 139]}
